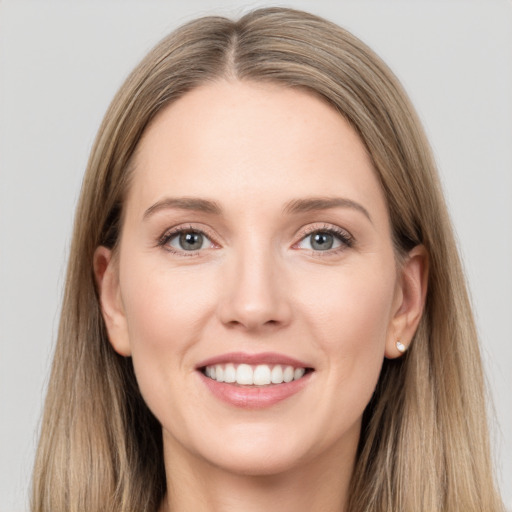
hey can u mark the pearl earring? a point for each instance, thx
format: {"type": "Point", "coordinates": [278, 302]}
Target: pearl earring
{"type": "Point", "coordinates": [400, 347]}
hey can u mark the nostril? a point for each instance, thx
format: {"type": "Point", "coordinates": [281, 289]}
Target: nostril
{"type": "Point", "coordinates": [252, 322]}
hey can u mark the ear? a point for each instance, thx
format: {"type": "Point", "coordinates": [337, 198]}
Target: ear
{"type": "Point", "coordinates": [107, 281]}
{"type": "Point", "coordinates": [409, 302]}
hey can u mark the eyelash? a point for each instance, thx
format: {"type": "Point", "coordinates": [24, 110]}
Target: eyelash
{"type": "Point", "coordinates": [343, 236]}
{"type": "Point", "coordinates": [169, 235]}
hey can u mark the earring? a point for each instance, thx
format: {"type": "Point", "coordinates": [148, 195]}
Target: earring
{"type": "Point", "coordinates": [400, 347]}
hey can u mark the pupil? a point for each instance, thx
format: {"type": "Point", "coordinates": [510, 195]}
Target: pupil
{"type": "Point", "coordinates": [191, 241]}
{"type": "Point", "coordinates": [322, 241]}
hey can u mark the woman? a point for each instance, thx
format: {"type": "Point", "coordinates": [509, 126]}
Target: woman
{"type": "Point", "coordinates": [264, 305]}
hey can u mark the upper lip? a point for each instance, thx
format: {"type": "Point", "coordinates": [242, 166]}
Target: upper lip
{"type": "Point", "coordinates": [253, 359]}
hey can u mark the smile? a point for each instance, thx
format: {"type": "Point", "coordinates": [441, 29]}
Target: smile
{"type": "Point", "coordinates": [253, 375]}
{"type": "Point", "coordinates": [254, 381]}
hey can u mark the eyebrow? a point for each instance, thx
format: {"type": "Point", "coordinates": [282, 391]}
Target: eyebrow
{"type": "Point", "coordinates": [184, 203]}
{"type": "Point", "coordinates": [292, 207]}
{"type": "Point", "coordinates": [324, 203]}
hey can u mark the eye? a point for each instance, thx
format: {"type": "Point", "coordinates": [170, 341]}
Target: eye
{"type": "Point", "coordinates": [325, 240]}
{"type": "Point", "coordinates": [188, 240]}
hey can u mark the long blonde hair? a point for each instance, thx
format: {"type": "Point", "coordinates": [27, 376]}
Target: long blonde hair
{"type": "Point", "coordinates": [424, 442]}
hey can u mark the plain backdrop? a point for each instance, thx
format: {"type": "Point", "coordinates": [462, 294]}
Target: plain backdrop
{"type": "Point", "coordinates": [60, 65]}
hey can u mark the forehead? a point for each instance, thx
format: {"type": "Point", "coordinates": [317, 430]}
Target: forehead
{"type": "Point", "coordinates": [245, 140]}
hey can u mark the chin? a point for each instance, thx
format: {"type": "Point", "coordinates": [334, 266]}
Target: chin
{"type": "Point", "coordinates": [245, 449]}
{"type": "Point", "coordinates": [258, 462]}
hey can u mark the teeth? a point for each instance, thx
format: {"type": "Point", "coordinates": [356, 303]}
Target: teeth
{"type": "Point", "coordinates": [230, 373]}
{"type": "Point", "coordinates": [244, 374]}
{"type": "Point", "coordinates": [297, 374]}
{"type": "Point", "coordinates": [277, 374]}
{"type": "Point", "coordinates": [262, 375]}
{"type": "Point", "coordinates": [247, 375]}
{"type": "Point", "coordinates": [287, 374]}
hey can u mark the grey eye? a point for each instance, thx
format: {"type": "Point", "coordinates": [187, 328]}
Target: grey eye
{"type": "Point", "coordinates": [189, 241]}
{"type": "Point", "coordinates": [321, 241]}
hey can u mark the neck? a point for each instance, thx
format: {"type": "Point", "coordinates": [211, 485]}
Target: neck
{"type": "Point", "coordinates": [195, 485]}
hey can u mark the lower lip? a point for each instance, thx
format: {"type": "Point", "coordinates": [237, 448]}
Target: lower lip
{"type": "Point", "coordinates": [254, 397]}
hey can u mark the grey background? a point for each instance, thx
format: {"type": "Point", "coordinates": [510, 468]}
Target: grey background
{"type": "Point", "coordinates": [60, 65]}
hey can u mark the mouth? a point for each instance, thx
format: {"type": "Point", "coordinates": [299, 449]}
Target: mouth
{"type": "Point", "coordinates": [254, 381]}
{"type": "Point", "coordinates": [254, 375]}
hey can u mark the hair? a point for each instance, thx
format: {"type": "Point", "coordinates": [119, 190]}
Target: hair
{"type": "Point", "coordinates": [424, 442]}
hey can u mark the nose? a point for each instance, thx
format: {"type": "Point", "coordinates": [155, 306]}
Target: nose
{"type": "Point", "coordinates": [255, 295]}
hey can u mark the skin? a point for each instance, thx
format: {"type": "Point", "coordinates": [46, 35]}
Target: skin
{"type": "Point", "coordinates": [257, 285]}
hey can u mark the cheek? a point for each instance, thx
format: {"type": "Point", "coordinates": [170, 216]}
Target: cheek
{"type": "Point", "coordinates": [350, 320]}
{"type": "Point", "coordinates": [351, 307]}
{"type": "Point", "coordinates": [164, 308]}
{"type": "Point", "coordinates": [165, 313]}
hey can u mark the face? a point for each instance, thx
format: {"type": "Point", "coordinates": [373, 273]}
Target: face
{"type": "Point", "coordinates": [256, 286]}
